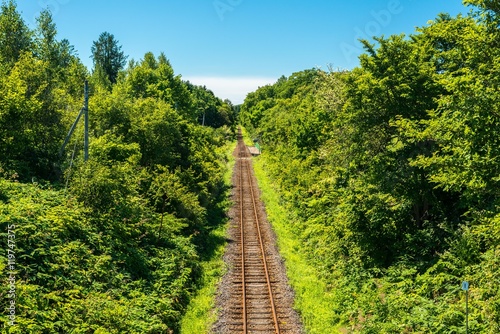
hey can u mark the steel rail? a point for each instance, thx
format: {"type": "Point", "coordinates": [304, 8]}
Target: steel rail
{"type": "Point", "coordinates": [242, 236]}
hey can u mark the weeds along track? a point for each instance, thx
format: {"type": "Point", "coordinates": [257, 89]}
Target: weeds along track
{"type": "Point", "coordinates": [257, 297]}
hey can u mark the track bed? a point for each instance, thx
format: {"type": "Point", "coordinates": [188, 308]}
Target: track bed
{"type": "Point", "coordinates": [254, 297]}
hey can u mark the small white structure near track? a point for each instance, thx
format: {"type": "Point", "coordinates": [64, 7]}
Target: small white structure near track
{"type": "Point", "coordinates": [253, 150]}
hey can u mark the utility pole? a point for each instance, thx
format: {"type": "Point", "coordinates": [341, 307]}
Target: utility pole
{"type": "Point", "coordinates": [85, 112]}
{"type": "Point", "coordinates": [86, 121]}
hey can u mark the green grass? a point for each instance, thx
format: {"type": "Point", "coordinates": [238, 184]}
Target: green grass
{"type": "Point", "coordinates": [246, 137]}
{"type": "Point", "coordinates": [312, 300]}
{"type": "Point", "coordinates": [201, 313]}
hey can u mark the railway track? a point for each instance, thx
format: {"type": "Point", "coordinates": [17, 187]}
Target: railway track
{"type": "Point", "coordinates": [258, 305]}
{"type": "Point", "coordinates": [257, 297]}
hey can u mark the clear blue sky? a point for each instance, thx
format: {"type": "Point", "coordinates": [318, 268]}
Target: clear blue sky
{"type": "Point", "coordinates": [234, 46]}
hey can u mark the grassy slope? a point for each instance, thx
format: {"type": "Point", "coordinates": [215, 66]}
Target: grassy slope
{"type": "Point", "coordinates": [311, 295]}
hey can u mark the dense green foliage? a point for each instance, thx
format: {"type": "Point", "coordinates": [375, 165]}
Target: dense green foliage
{"type": "Point", "coordinates": [393, 170]}
{"type": "Point", "coordinates": [114, 244]}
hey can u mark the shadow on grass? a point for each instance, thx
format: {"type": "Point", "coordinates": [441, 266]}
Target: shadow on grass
{"type": "Point", "coordinates": [208, 240]}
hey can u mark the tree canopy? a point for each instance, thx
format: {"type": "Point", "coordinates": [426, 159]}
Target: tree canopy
{"type": "Point", "coordinates": [108, 56]}
{"type": "Point", "coordinates": [15, 37]}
